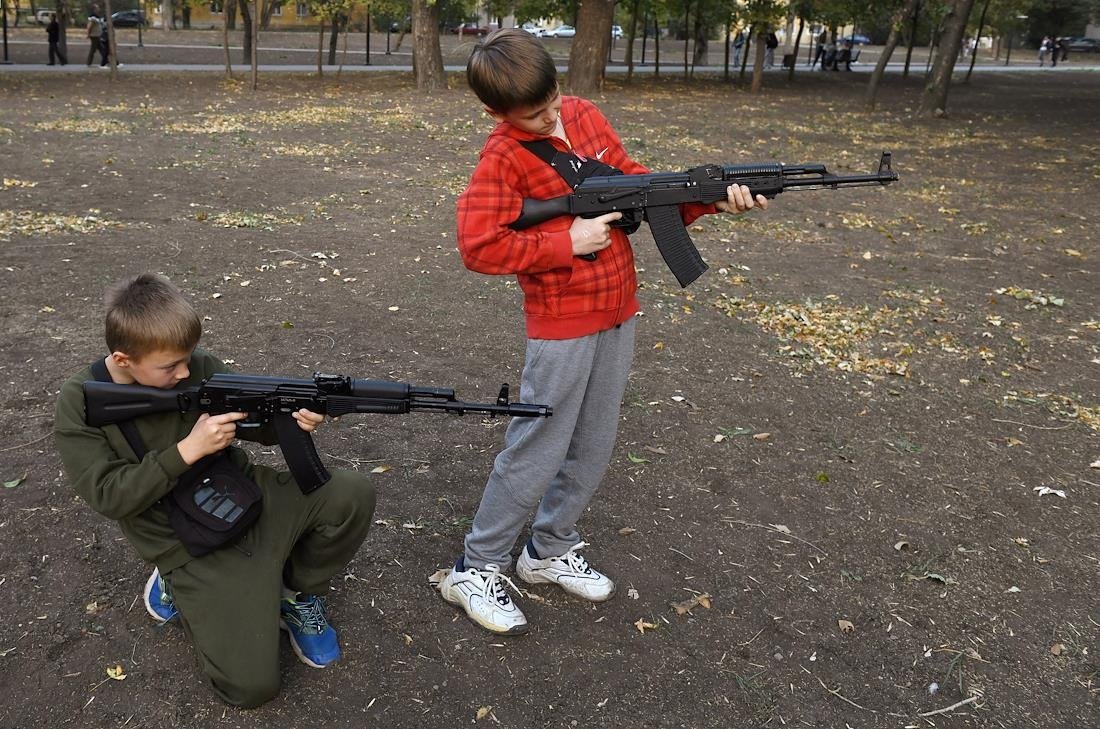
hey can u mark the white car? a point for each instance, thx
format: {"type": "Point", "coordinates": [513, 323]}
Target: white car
{"type": "Point", "coordinates": [616, 31]}
{"type": "Point", "coordinates": [562, 31]}
{"type": "Point", "coordinates": [532, 29]}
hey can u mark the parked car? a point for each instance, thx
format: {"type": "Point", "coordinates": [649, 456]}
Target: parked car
{"type": "Point", "coordinates": [469, 29]}
{"type": "Point", "coordinates": [616, 31]}
{"type": "Point", "coordinates": [1081, 45]}
{"type": "Point", "coordinates": [857, 39]}
{"type": "Point", "coordinates": [531, 28]}
{"type": "Point", "coordinates": [128, 19]}
{"type": "Point", "coordinates": [562, 31]}
{"type": "Point", "coordinates": [43, 17]}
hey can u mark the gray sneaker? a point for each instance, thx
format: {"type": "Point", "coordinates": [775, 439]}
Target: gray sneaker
{"type": "Point", "coordinates": [570, 571]}
{"type": "Point", "coordinates": [482, 594]}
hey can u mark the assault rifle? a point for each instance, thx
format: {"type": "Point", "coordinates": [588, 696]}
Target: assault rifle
{"type": "Point", "coordinates": [273, 399]}
{"type": "Point", "coordinates": [657, 195]}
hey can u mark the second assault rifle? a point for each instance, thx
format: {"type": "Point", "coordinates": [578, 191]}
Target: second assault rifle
{"type": "Point", "coordinates": [273, 399]}
{"type": "Point", "coordinates": [657, 195]}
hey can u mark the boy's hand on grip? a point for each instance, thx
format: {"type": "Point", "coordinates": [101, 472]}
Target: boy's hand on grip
{"type": "Point", "coordinates": [307, 419]}
{"type": "Point", "coordinates": [740, 200]}
{"type": "Point", "coordinates": [592, 234]}
{"type": "Point", "coordinates": [211, 434]}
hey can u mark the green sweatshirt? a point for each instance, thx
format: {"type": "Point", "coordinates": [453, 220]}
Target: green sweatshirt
{"type": "Point", "coordinates": [105, 472]}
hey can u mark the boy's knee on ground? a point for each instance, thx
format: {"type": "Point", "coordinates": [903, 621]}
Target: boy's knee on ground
{"type": "Point", "coordinates": [350, 495]}
{"type": "Point", "coordinates": [248, 691]}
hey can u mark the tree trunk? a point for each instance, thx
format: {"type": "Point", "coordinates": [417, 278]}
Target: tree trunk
{"type": "Point", "coordinates": [588, 56]}
{"type": "Point", "coordinates": [225, 41]}
{"type": "Point", "coordinates": [934, 100]}
{"type": "Point", "coordinates": [758, 62]}
{"type": "Point", "coordinates": [112, 46]}
{"type": "Point", "coordinates": [167, 15]}
{"type": "Point", "coordinates": [427, 56]}
{"type": "Point", "coordinates": [269, 8]}
{"type": "Point", "coordinates": [320, 47]}
{"type": "Point", "coordinates": [246, 31]}
{"type": "Point", "coordinates": [794, 51]}
{"type": "Point", "coordinates": [254, 41]}
{"type": "Point", "coordinates": [63, 19]}
{"type": "Point", "coordinates": [229, 11]}
{"type": "Point", "coordinates": [631, 34]}
{"type": "Point", "coordinates": [699, 53]}
{"type": "Point", "coordinates": [334, 37]}
{"type": "Point", "coordinates": [745, 46]}
{"type": "Point", "coordinates": [977, 41]}
{"type": "Point", "coordinates": [901, 17]}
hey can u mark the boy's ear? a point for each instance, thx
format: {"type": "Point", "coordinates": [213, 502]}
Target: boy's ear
{"type": "Point", "coordinates": [121, 359]}
{"type": "Point", "coordinates": [494, 115]}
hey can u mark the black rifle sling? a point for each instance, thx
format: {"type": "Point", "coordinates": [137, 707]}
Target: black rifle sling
{"type": "Point", "coordinates": [575, 170]}
{"type": "Point", "coordinates": [129, 430]}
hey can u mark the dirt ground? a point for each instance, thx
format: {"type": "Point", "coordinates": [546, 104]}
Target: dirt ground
{"type": "Point", "coordinates": [863, 448]}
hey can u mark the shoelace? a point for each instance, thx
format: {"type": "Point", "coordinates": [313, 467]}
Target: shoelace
{"type": "Point", "coordinates": [494, 585]}
{"type": "Point", "coordinates": [577, 563]}
{"type": "Point", "coordinates": [311, 615]}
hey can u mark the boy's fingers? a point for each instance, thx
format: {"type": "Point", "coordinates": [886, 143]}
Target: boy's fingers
{"type": "Point", "coordinates": [228, 417]}
{"type": "Point", "coordinates": [608, 217]}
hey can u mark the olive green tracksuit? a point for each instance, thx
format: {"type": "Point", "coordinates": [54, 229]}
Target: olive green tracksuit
{"type": "Point", "coordinates": [228, 600]}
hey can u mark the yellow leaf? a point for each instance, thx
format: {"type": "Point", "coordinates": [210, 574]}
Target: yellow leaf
{"type": "Point", "coordinates": [483, 712]}
{"type": "Point", "coordinates": [381, 469]}
{"type": "Point", "coordinates": [116, 672]}
{"type": "Point", "coordinates": [641, 625]}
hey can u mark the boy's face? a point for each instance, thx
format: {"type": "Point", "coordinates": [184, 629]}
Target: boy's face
{"type": "Point", "coordinates": [541, 119]}
{"type": "Point", "coordinates": [163, 368]}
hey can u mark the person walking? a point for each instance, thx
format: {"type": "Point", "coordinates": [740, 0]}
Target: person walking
{"type": "Point", "coordinates": [94, 31]}
{"type": "Point", "coordinates": [819, 54]}
{"type": "Point", "coordinates": [771, 42]}
{"type": "Point", "coordinates": [53, 35]}
{"type": "Point", "coordinates": [1044, 48]}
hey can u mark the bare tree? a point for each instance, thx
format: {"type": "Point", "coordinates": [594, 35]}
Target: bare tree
{"type": "Point", "coordinates": [934, 100]}
{"type": "Point", "coordinates": [901, 16]}
{"type": "Point", "coordinates": [588, 56]}
{"type": "Point", "coordinates": [427, 56]}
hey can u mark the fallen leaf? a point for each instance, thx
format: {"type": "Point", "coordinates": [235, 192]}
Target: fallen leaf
{"type": "Point", "coordinates": [636, 459]}
{"type": "Point", "coordinates": [483, 712]}
{"type": "Point", "coordinates": [627, 530]}
{"type": "Point", "coordinates": [381, 469]}
{"type": "Point", "coordinates": [436, 577]}
{"type": "Point", "coordinates": [1044, 490]}
{"type": "Point", "coordinates": [846, 626]}
{"type": "Point", "coordinates": [762, 436]}
{"type": "Point", "coordinates": [1057, 649]}
{"type": "Point", "coordinates": [900, 546]}
{"type": "Point", "coordinates": [116, 672]}
{"type": "Point", "coordinates": [687, 605]}
{"type": "Point", "coordinates": [1014, 442]}
{"type": "Point", "coordinates": [632, 593]}
{"type": "Point", "coordinates": [15, 482]}
{"type": "Point", "coordinates": [1073, 252]}
{"type": "Point", "coordinates": [642, 625]}
{"type": "Point", "coordinates": [781, 528]}
{"type": "Point", "coordinates": [1095, 464]}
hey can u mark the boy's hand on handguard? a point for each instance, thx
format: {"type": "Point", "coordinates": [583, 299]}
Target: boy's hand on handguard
{"type": "Point", "coordinates": [307, 419]}
{"type": "Point", "coordinates": [739, 200]}
{"type": "Point", "coordinates": [211, 434]}
{"type": "Point", "coordinates": [592, 234]}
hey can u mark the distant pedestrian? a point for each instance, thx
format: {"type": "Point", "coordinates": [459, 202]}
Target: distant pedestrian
{"type": "Point", "coordinates": [94, 31]}
{"type": "Point", "coordinates": [771, 42]}
{"type": "Point", "coordinates": [822, 38]}
{"type": "Point", "coordinates": [844, 55]}
{"type": "Point", "coordinates": [829, 59]}
{"type": "Point", "coordinates": [1044, 49]}
{"type": "Point", "coordinates": [53, 35]}
{"type": "Point", "coordinates": [1055, 51]}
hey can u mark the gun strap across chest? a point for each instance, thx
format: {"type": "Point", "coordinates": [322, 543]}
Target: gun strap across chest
{"type": "Point", "coordinates": [575, 170]}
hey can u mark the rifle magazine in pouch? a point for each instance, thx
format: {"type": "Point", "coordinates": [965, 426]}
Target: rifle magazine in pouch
{"type": "Point", "coordinates": [213, 504]}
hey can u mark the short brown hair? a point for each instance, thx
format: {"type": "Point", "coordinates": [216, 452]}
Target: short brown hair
{"type": "Point", "coordinates": [510, 69]}
{"type": "Point", "coordinates": [146, 313]}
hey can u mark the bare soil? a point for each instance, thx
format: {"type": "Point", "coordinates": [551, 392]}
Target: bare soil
{"type": "Point", "coordinates": [868, 435]}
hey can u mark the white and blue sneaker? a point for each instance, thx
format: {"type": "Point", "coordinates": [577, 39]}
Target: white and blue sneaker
{"type": "Point", "coordinates": [158, 598]}
{"type": "Point", "coordinates": [484, 598]}
{"type": "Point", "coordinates": [570, 571]}
{"type": "Point", "coordinates": [314, 641]}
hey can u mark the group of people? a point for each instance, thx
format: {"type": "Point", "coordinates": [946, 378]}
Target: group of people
{"type": "Point", "coordinates": [1053, 48]}
{"type": "Point", "coordinates": [832, 55]}
{"type": "Point", "coordinates": [98, 40]}
{"type": "Point", "coordinates": [579, 283]}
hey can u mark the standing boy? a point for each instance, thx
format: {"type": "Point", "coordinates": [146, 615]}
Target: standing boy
{"type": "Point", "coordinates": [579, 285]}
{"type": "Point", "coordinates": [232, 601]}
{"type": "Point", "coordinates": [53, 37]}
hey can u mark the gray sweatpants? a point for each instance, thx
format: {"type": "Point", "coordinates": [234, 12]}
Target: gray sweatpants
{"type": "Point", "coordinates": [555, 463]}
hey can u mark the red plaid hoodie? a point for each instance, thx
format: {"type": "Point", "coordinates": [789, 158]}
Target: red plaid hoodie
{"type": "Point", "coordinates": [564, 296]}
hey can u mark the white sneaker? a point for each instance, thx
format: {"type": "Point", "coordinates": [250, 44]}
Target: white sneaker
{"type": "Point", "coordinates": [571, 571]}
{"type": "Point", "coordinates": [481, 593]}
